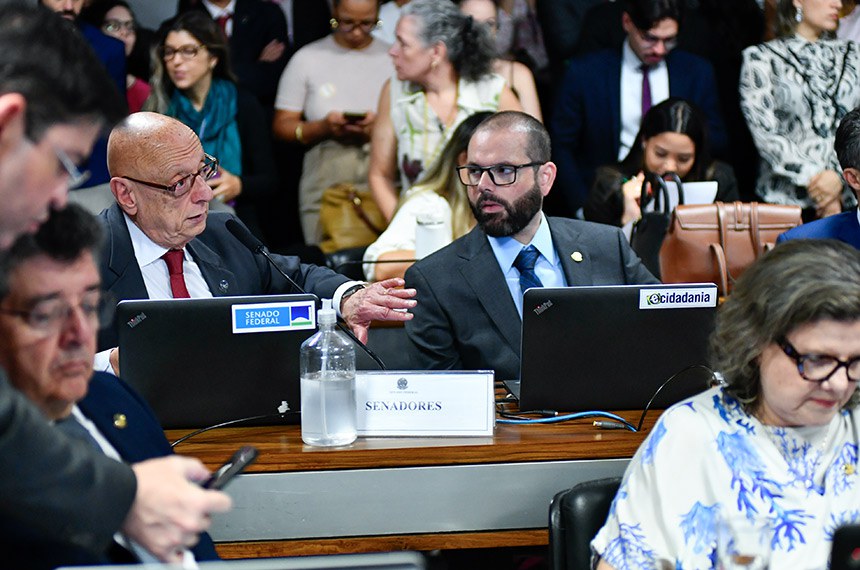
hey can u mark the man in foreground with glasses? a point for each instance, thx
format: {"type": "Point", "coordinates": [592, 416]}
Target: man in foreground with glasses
{"type": "Point", "coordinates": [605, 94]}
{"type": "Point", "coordinates": [49, 317]}
{"type": "Point", "coordinates": [54, 100]}
{"type": "Point", "coordinates": [470, 293]}
{"type": "Point", "coordinates": [161, 217]}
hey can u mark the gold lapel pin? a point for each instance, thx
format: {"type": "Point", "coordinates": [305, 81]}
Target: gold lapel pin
{"type": "Point", "coordinates": [120, 421]}
{"type": "Point", "coordinates": [576, 256]}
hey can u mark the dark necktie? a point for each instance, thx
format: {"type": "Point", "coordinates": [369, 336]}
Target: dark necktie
{"type": "Point", "coordinates": [222, 23]}
{"type": "Point", "coordinates": [73, 428]}
{"type": "Point", "coordinates": [646, 90]}
{"type": "Point", "coordinates": [174, 258]}
{"type": "Point", "coordinates": [525, 263]}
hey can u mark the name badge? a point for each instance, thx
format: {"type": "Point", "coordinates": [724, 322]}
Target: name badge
{"type": "Point", "coordinates": [409, 403]}
{"type": "Point", "coordinates": [273, 317]}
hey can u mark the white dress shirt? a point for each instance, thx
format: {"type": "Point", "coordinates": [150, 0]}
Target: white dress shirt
{"type": "Point", "coordinates": [216, 12]}
{"type": "Point", "coordinates": [631, 94]}
{"type": "Point", "coordinates": [547, 268]}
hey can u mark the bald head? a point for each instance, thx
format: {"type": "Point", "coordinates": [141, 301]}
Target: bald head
{"type": "Point", "coordinates": [142, 143]}
{"type": "Point", "coordinates": [147, 153]}
{"type": "Point", "coordinates": [538, 147]}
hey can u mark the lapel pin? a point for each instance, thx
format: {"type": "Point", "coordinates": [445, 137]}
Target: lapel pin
{"type": "Point", "coordinates": [223, 286]}
{"type": "Point", "coordinates": [576, 256]}
{"type": "Point", "coordinates": [120, 421]}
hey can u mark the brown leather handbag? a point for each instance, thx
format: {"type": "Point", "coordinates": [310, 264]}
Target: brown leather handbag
{"type": "Point", "coordinates": [349, 218]}
{"type": "Point", "coordinates": [715, 243]}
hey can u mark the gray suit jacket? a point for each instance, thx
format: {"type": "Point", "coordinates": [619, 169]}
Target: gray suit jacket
{"type": "Point", "coordinates": [228, 267]}
{"type": "Point", "coordinates": [465, 317]}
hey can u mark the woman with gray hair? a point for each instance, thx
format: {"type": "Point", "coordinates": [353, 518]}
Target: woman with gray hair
{"type": "Point", "coordinates": [772, 452]}
{"type": "Point", "coordinates": [443, 64]}
{"type": "Point", "coordinates": [794, 90]}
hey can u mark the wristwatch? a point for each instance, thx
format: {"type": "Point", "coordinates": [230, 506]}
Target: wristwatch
{"type": "Point", "coordinates": [351, 291]}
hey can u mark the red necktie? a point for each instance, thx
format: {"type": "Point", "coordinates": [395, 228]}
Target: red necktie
{"type": "Point", "coordinates": [646, 91]}
{"type": "Point", "coordinates": [174, 258]}
{"type": "Point", "coordinates": [222, 23]}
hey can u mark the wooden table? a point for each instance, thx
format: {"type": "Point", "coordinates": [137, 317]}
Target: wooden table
{"type": "Point", "coordinates": [404, 493]}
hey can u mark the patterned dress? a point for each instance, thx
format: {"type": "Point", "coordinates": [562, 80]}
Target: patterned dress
{"type": "Point", "coordinates": [793, 94]}
{"type": "Point", "coordinates": [421, 136]}
{"type": "Point", "coordinates": [707, 459]}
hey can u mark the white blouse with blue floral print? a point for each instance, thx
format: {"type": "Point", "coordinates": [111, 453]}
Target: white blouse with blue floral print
{"type": "Point", "coordinates": [708, 459]}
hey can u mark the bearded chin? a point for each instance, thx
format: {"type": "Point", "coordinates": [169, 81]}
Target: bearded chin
{"type": "Point", "coordinates": [513, 218]}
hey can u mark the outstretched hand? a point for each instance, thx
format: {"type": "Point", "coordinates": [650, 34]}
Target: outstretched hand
{"type": "Point", "coordinates": [377, 302]}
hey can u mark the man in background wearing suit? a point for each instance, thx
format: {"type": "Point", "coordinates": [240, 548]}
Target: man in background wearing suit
{"type": "Point", "coordinates": [470, 293]}
{"type": "Point", "coordinates": [845, 226]}
{"type": "Point", "coordinates": [604, 94]}
{"type": "Point", "coordinates": [161, 212]}
{"type": "Point", "coordinates": [48, 321]}
{"type": "Point", "coordinates": [54, 100]}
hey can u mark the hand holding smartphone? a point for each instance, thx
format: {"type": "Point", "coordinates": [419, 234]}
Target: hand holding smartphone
{"type": "Point", "coordinates": [235, 465]}
{"type": "Point", "coordinates": [354, 117]}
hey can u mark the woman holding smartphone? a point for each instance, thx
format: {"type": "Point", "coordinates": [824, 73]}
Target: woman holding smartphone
{"type": "Point", "coordinates": [324, 102]}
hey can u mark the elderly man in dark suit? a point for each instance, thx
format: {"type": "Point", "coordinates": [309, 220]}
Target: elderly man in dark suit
{"type": "Point", "coordinates": [161, 218]}
{"type": "Point", "coordinates": [469, 293]}
{"type": "Point", "coordinates": [604, 94]}
{"type": "Point", "coordinates": [845, 226]}
{"type": "Point", "coordinates": [48, 321]}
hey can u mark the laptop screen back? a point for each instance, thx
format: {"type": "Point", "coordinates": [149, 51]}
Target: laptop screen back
{"type": "Point", "coordinates": [200, 362]}
{"type": "Point", "coordinates": [611, 347]}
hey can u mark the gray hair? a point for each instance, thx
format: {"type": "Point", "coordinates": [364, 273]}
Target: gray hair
{"type": "Point", "coordinates": [470, 48]}
{"type": "Point", "coordinates": [799, 282]}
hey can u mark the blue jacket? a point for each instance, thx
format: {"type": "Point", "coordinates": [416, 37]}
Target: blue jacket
{"type": "Point", "coordinates": [843, 227]}
{"type": "Point", "coordinates": [586, 124]}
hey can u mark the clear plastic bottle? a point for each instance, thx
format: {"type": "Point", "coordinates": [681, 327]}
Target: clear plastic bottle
{"type": "Point", "coordinates": [328, 384]}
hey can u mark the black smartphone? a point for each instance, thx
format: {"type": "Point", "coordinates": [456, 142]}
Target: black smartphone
{"type": "Point", "coordinates": [224, 474]}
{"type": "Point", "coordinates": [353, 116]}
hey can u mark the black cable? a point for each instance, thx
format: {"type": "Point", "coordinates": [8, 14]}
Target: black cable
{"type": "Point", "coordinates": [231, 422]}
{"type": "Point", "coordinates": [666, 383]}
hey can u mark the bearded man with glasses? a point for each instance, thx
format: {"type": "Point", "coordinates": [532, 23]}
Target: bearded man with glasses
{"type": "Point", "coordinates": [605, 94]}
{"type": "Point", "coordinates": [471, 292]}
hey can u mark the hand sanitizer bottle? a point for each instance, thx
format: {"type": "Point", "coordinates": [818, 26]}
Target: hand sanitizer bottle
{"type": "Point", "coordinates": [328, 384]}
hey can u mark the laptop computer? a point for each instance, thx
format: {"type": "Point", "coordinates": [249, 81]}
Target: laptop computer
{"type": "Point", "coordinates": [372, 561]}
{"type": "Point", "coordinates": [200, 362]}
{"type": "Point", "coordinates": [612, 347]}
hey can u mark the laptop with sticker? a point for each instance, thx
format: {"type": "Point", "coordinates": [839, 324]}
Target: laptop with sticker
{"type": "Point", "coordinates": [611, 347]}
{"type": "Point", "coordinates": [200, 362]}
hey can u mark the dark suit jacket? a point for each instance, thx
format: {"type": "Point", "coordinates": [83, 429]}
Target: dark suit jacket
{"type": "Point", "coordinates": [465, 317]}
{"type": "Point", "coordinates": [255, 24]}
{"type": "Point", "coordinates": [843, 227]}
{"type": "Point", "coordinates": [228, 267]}
{"type": "Point", "coordinates": [142, 438]}
{"type": "Point", "coordinates": [68, 496]}
{"type": "Point", "coordinates": [586, 125]}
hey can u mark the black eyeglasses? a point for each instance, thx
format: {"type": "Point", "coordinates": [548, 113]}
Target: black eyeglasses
{"type": "Point", "coordinates": [820, 367]}
{"type": "Point", "coordinates": [50, 315]}
{"type": "Point", "coordinates": [184, 184]}
{"type": "Point", "coordinates": [185, 52]}
{"type": "Point", "coordinates": [500, 174]}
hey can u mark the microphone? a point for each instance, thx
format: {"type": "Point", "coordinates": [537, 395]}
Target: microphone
{"type": "Point", "coordinates": [248, 239]}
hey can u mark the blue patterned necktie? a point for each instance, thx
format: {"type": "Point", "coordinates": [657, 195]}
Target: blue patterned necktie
{"type": "Point", "coordinates": [525, 264]}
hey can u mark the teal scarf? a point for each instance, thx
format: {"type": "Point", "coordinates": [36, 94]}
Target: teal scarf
{"type": "Point", "coordinates": [215, 123]}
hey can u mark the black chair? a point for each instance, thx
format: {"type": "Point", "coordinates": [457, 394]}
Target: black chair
{"type": "Point", "coordinates": [347, 262]}
{"type": "Point", "coordinates": [575, 516]}
{"type": "Point", "coordinates": [390, 343]}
